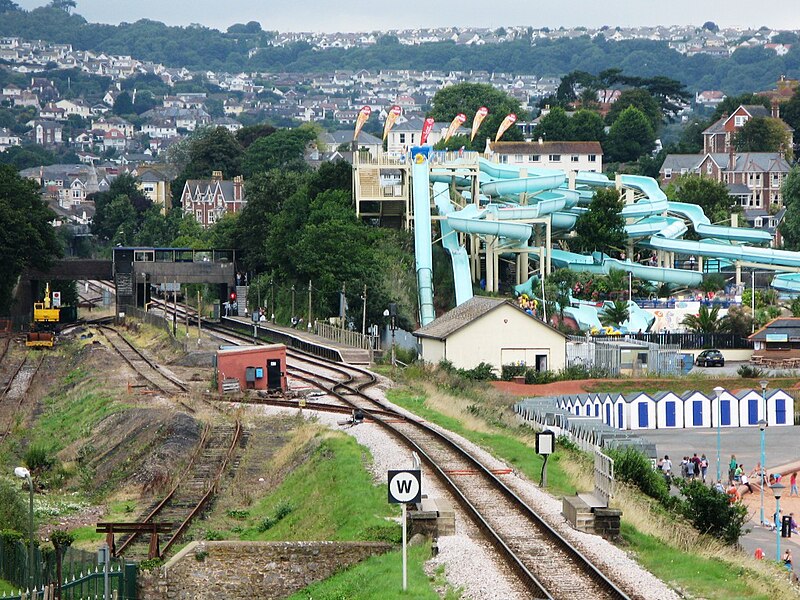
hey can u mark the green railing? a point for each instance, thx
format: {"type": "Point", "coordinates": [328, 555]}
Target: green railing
{"type": "Point", "coordinates": [81, 577]}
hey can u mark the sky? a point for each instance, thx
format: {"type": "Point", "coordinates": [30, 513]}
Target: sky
{"type": "Point", "coordinates": [361, 15]}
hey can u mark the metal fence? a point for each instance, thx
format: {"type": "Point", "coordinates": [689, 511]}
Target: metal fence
{"type": "Point", "coordinates": [604, 485]}
{"type": "Point", "coordinates": [695, 341]}
{"type": "Point", "coordinates": [605, 354]}
{"type": "Point", "coordinates": [347, 337]}
{"type": "Point", "coordinates": [593, 353]}
{"type": "Point", "coordinates": [81, 577]}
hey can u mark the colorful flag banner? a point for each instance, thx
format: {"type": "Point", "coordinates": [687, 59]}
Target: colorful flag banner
{"type": "Point", "coordinates": [391, 118]}
{"type": "Point", "coordinates": [458, 121]}
{"type": "Point", "coordinates": [507, 122]}
{"type": "Point", "coordinates": [480, 115]}
{"type": "Point", "coordinates": [363, 115]}
{"type": "Point", "coordinates": [427, 127]}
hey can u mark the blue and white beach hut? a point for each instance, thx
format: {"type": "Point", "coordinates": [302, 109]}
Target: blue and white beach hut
{"type": "Point", "coordinates": [642, 411]}
{"type": "Point", "coordinates": [780, 408]}
{"type": "Point", "coordinates": [669, 410]}
{"type": "Point", "coordinates": [696, 410]}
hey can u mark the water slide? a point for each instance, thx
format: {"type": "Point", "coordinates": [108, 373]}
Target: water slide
{"type": "Point", "coordinates": [422, 238]}
{"type": "Point", "coordinates": [462, 278]}
{"type": "Point", "coordinates": [602, 264]}
{"type": "Point", "coordinates": [766, 256]}
{"type": "Point", "coordinates": [705, 229]}
{"type": "Point", "coordinates": [787, 282]}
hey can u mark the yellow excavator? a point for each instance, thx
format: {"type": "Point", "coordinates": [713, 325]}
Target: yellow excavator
{"type": "Point", "coordinates": [45, 318]}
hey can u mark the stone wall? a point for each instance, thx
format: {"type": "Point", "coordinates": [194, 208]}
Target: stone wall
{"type": "Point", "coordinates": [247, 570]}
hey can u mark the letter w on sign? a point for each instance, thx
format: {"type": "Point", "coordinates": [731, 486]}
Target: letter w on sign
{"type": "Point", "coordinates": [405, 486]}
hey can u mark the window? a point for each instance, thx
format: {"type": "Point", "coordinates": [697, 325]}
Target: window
{"type": "Point", "coordinates": [76, 193]}
{"type": "Point", "coordinates": [533, 158]}
{"type": "Point", "coordinates": [667, 173]}
{"type": "Point", "coordinates": [517, 158]}
{"type": "Point", "coordinates": [684, 171]}
{"type": "Point", "coordinates": [739, 120]}
{"type": "Point", "coordinates": [503, 159]}
{"type": "Point", "coordinates": [709, 167]}
{"type": "Point", "coordinates": [574, 158]}
{"type": "Point", "coordinates": [402, 138]}
{"type": "Point", "coordinates": [555, 158]}
{"type": "Point", "coordinates": [592, 158]}
{"type": "Point", "coordinates": [758, 222]}
{"type": "Point", "coordinates": [776, 180]}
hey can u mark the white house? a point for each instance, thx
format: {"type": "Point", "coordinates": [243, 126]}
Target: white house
{"type": "Point", "coordinates": [8, 139]}
{"type": "Point", "coordinates": [567, 156]}
{"type": "Point", "coordinates": [697, 410]}
{"type": "Point", "coordinates": [493, 331]}
{"type": "Point", "coordinates": [669, 411]}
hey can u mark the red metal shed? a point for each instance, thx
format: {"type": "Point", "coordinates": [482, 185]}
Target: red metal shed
{"type": "Point", "coordinates": [255, 367]}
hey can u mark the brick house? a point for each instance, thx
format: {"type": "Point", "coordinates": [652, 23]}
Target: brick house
{"type": "Point", "coordinates": [719, 137]}
{"type": "Point", "coordinates": [209, 199]}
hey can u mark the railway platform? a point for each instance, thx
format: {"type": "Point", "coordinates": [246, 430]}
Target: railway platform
{"type": "Point", "coordinates": [303, 340]}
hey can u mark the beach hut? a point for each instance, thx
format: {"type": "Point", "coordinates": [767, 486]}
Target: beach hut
{"type": "Point", "coordinates": [607, 406]}
{"type": "Point", "coordinates": [728, 407]}
{"type": "Point", "coordinates": [619, 411]}
{"type": "Point", "coordinates": [597, 405]}
{"type": "Point", "coordinates": [696, 410]}
{"type": "Point", "coordinates": [780, 408]}
{"type": "Point", "coordinates": [751, 408]}
{"type": "Point", "coordinates": [669, 410]}
{"type": "Point", "coordinates": [642, 411]}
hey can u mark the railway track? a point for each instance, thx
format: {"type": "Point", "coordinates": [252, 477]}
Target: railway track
{"type": "Point", "coordinates": [16, 391]}
{"type": "Point", "coordinates": [155, 375]}
{"type": "Point", "coordinates": [195, 488]}
{"type": "Point", "coordinates": [546, 564]}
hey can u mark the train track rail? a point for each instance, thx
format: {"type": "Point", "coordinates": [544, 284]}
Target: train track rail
{"type": "Point", "coordinates": [545, 563]}
{"type": "Point", "coordinates": [195, 488]}
{"type": "Point", "coordinates": [155, 375]}
{"type": "Point", "coordinates": [16, 392]}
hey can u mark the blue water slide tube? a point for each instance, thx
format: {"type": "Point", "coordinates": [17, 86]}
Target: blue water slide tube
{"type": "Point", "coordinates": [422, 239]}
{"type": "Point", "coordinates": [705, 229]}
{"type": "Point", "coordinates": [767, 256]}
{"type": "Point", "coordinates": [603, 264]}
{"type": "Point", "coordinates": [458, 254]}
{"type": "Point", "coordinates": [787, 282]}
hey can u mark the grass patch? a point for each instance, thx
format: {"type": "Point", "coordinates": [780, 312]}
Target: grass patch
{"type": "Point", "coordinates": [514, 447]}
{"type": "Point", "coordinates": [679, 385]}
{"type": "Point", "coordinates": [71, 416]}
{"type": "Point", "coordinates": [378, 577]}
{"type": "Point", "coordinates": [704, 577]}
{"type": "Point", "coordinates": [330, 496]}
{"type": "Point", "coordinates": [86, 538]}
{"type": "Point", "coordinates": [7, 588]}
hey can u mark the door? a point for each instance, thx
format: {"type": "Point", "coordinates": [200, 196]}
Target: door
{"type": "Point", "coordinates": [620, 419]}
{"type": "Point", "coordinates": [752, 412]}
{"type": "Point", "coordinates": [670, 411]}
{"type": "Point", "coordinates": [726, 412]}
{"type": "Point", "coordinates": [697, 413]}
{"type": "Point", "coordinates": [643, 421]}
{"type": "Point", "coordinates": [274, 374]}
{"type": "Point", "coordinates": [780, 411]}
{"type": "Point", "coordinates": [608, 414]}
{"type": "Point", "coordinates": [541, 362]}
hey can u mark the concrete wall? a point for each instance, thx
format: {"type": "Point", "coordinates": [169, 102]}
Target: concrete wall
{"type": "Point", "coordinates": [247, 570]}
{"type": "Point", "coordinates": [730, 355]}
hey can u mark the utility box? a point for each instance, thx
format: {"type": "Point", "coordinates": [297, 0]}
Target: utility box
{"type": "Point", "coordinates": [256, 367]}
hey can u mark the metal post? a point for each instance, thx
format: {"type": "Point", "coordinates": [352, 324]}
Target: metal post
{"type": "Point", "coordinates": [343, 308]}
{"type": "Point", "coordinates": [778, 526]}
{"type": "Point", "coordinates": [272, 299]}
{"type": "Point", "coordinates": [292, 316]}
{"type": "Point", "coordinates": [630, 286]}
{"type": "Point", "coordinates": [405, 533]}
{"type": "Point", "coordinates": [364, 314]}
{"type": "Point", "coordinates": [31, 557]}
{"type": "Point", "coordinates": [106, 587]}
{"type": "Point", "coordinates": [753, 300]}
{"type": "Point", "coordinates": [174, 308]}
{"type": "Point", "coordinates": [199, 315]}
{"type": "Point", "coordinates": [308, 323]}
{"type": "Point", "coordinates": [718, 391]}
{"type": "Point", "coordinates": [762, 473]}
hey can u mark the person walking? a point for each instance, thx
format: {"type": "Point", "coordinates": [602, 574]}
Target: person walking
{"type": "Point", "coordinates": [703, 467]}
{"type": "Point", "coordinates": [732, 468]}
{"type": "Point", "coordinates": [793, 485]}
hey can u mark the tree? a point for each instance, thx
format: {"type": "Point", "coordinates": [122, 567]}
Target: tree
{"type": "Point", "coordinates": [641, 99]}
{"type": "Point", "coordinates": [8, 6]}
{"type": "Point", "coordinates": [706, 321]}
{"type": "Point", "coordinates": [209, 149]}
{"type": "Point", "coordinates": [630, 136]}
{"type": "Point", "coordinates": [554, 126]}
{"type": "Point", "coordinates": [247, 135]}
{"type": "Point", "coordinates": [790, 228]}
{"type": "Point", "coordinates": [283, 149]}
{"type": "Point", "coordinates": [467, 98]}
{"type": "Point", "coordinates": [739, 321]}
{"type": "Point", "coordinates": [586, 126]}
{"type": "Point", "coordinates": [711, 26]}
{"type": "Point", "coordinates": [614, 313]}
{"type": "Point", "coordinates": [249, 27]}
{"type": "Point", "coordinates": [602, 227]}
{"type": "Point", "coordinates": [27, 239]}
{"type": "Point", "coordinates": [120, 211]}
{"type": "Point", "coordinates": [710, 512]}
{"type": "Point", "coordinates": [123, 104]}
{"type": "Point", "coordinates": [710, 195]}
{"type": "Point", "coordinates": [790, 111]}
{"type": "Point", "coordinates": [65, 5]}
{"type": "Point", "coordinates": [762, 134]}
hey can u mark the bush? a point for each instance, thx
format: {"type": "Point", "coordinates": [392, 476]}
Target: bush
{"type": "Point", "coordinates": [750, 372]}
{"type": "Point", "coordinates": [13, 510]}
{"type": "Point", "coordinates": [508, 372]}
{"type": "Point", "coordinates": [633, 467]}
{"type": "Point", "coordinates": [534, 376]}
{"type": "Point", "coordinates": [483, 372]}
{"type": "Point", "coordinates": [38, 459]}
{"type": "Point", "coordinates": [710, 512]}
{"type": "Point", "coordinates": [281, 511]}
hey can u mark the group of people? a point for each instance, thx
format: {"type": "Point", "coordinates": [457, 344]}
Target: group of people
{"type": "Point", "coordinates": [691, 468]}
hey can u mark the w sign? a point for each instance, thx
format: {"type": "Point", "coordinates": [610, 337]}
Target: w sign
{"type": "Point", "coordinates": [405, 487]}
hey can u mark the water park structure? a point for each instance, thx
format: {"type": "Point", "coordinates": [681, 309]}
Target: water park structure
{"type": "Point", "coordinates": [489, 211]}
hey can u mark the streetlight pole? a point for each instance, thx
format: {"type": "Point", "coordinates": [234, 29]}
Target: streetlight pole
{"type": "Point", "coordinates": [292, 301]}
{"type": "Point", "coordinates": [718, 392]}
{"type": "Point", "coordinates": [777, 490]}
{"type": "Point", "coordinates": [364, 313]}
{"type": "Point", "coordinates": [753, 300]}
{"type": "Point", "coordinates": [25, 474]}
{"type": "Point", "coordinates": [762, 425]}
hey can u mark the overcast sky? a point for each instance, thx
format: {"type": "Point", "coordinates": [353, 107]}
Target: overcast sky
{"type": "Point", "coordinates": [360, 15]}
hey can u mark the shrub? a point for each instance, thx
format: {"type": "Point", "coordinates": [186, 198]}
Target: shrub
{"type": "Point", "coordinates": [13, 510]}
{"type": "Point", "coordinates": [710, 512]}
{"type": "Point", "coordinates": [238, 514]}
{"type": "Point", "coordinates": [534, 376]}
{"type": "Point", "coordinates": [213, 535]}
{"type": "Point", "coordinates": [38, 459]}
{"type": "Point", "coordinates": [750, 372]}
{"type": "Point", "coordinates": [633, 467]}
{"type": "Point", "coordinates": [150, 564]}
{"type": "Point", "coordinates": [384, 533]}
{"type": "Point", "coordinates": [281, 511]}
{"type": "Point", "coordinates": [508, 372]}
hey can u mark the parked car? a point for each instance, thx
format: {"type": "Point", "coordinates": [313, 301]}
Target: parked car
{"type": "Point", "coordinates": [710, 358]}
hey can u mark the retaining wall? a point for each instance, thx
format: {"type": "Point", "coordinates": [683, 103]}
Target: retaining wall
{"type": "Point", "coordinates": [247, 570]}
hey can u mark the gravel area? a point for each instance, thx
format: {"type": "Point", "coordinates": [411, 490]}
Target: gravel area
{"type": "Point", "coordinates": [470, 563]}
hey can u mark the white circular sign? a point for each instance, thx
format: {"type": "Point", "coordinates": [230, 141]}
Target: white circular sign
{"type": "Point", "coordinates": [404, 487]}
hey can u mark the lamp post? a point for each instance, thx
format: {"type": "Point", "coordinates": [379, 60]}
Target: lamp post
{"type": "Point", "coordinates": [718, 392]}
{"type": "Point", "coordinates": [25, 474]}
{"type": "Point", "coordinates": [391, 312]}
{"type": "Point", "coordinates": [777, 491]}
{"type": "Point", "coordinates": [762, 425]}
{"type": "Point", "coordinates": [753, 301]}
{"type": "Point", "coordinates": [292, 301]}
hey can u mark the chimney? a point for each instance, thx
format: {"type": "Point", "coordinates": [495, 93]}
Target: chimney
{"type": "Point", "coordinates": [776, 110]}
{"type": "Point", "coordinates": [731, 159]}
{"type": "Point", "coordinates": [237, 188]}
{"type": "Point", "coordinates": [216, 176]}
{"type": "Point", "coordinates": [541, 142]}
